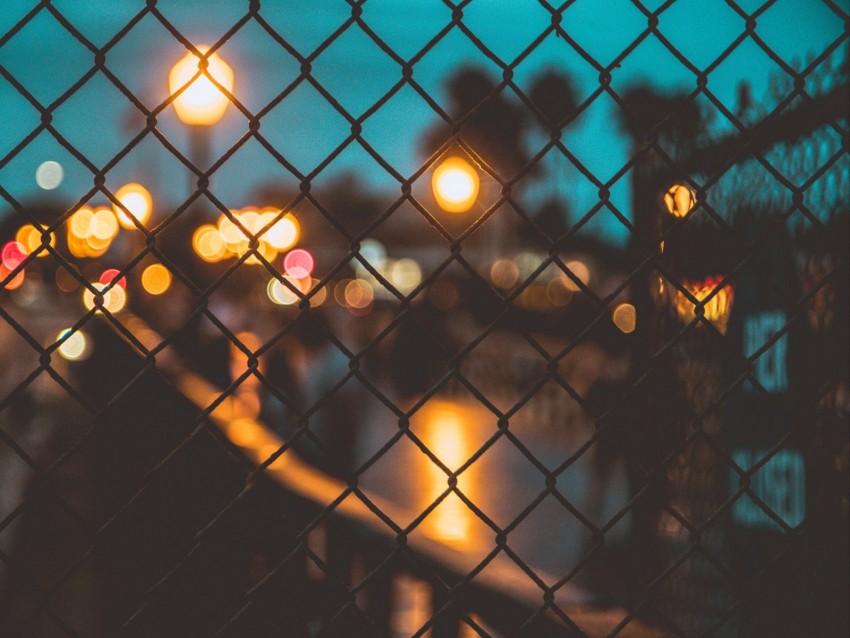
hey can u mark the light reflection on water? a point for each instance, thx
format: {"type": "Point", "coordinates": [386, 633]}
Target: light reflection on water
{"type": "Point", "coordinates": [447, 438]}
{"type": "Point", "coordinates": [502, 483]}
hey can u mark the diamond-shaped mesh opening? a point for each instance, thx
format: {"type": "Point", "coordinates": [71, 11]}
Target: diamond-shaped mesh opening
{"type": "Point", "coordinates": [453, 319]}
{"type": "Point", "coordinates": [23, 61]}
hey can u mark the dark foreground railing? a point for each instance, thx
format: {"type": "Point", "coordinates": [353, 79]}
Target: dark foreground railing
{"type": "Point", "coordinates": [348, 553]}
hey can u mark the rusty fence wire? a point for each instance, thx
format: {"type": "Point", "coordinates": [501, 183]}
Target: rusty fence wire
{"type": "Point", "coordinates": [262, 421]}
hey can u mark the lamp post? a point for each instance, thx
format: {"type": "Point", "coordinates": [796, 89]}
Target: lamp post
{"type": "Point", "coordinates": [456, 185]}
{"type": "Point", "coordinates": [201, 103]}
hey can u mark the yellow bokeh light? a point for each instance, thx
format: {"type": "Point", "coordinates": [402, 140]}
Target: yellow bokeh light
{"type": "Point", "coordinates": [455, 184]}
{"type": "Point", "coordinates": [103, 227]}
{"type": "Point", "coordinates": [236, 230]}
{"type": "Point", "coordinates": [202, 103]}
{"type": "Point", "coordinates": [625, 318]}
{"type": "Point", "coordinates": [156, 279]}
{"type": "Point", "coordinates": [265, 217]}
{"type": "Point", "coordinates": [268, 252]}
{"type": "Point", "coordinates": [80, 221]}
{"type": "Point", "coordinates": [209, 244]}
{"type": "Point", "coordinates": [90, 232]}
{"type": "Point", "coordinates": [88, 296]}
{"type": "Point", "coordinates": [250, 219]}
{"type": "Point", "coordinates": [30, 237]}
{"type": "Point", "coordinates": [282, 295]}
{"type": "Point", "coordinates": [95, 248]}
{"type": "Point", "coordinates": [135, 199]}
{"type": "Point", "coordinates": [77, 246]}
{"type": "Point", "coordinates": [230, 232]}
{"type": "Point", "coordinates": [283, 234]}
{"type": "Point", "coordinates": [74, 346]}
{"type": "Point", "coordinates": [114, 298]}
{"type": "Point", "coordinates": [680, 200]}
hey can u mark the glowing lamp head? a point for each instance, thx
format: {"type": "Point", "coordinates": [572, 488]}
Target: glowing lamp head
{"type": "Point", "coordinates": [136, 199]}
{"type": "Point", "coordinates": [455, 184]}
{"type": "Point", "coordinates": [202, 103]}
{"type": "Point", "coordinates": [680, 200]}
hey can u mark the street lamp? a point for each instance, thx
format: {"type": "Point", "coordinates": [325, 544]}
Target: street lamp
{"type": "Point", "coordinates": [201, 104]}
{"type": "Point", "coordinates": [455, 184]}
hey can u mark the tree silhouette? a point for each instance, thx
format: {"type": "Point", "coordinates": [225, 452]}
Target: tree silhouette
{"type": "Point", "coordinates": [555, 97]}
{"type": "Point", "coordinates": [649, 113]}
{"type": "Point", "coordinates": [491, 126]}
{"type": "Point", "coordinates": [551, 219]}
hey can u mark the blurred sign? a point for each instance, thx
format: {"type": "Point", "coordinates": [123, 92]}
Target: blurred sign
{"type": "Point", "coordinates": [779, 483]}
{"type": "Point", "coordinates": [770, 368]}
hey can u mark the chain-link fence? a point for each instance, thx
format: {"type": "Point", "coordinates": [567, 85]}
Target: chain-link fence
{"type": "Point", "coordinates": [570, 358]}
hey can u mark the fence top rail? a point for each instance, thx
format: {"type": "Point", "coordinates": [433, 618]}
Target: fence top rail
{"type": "Point", "coordinates": [784, 126]}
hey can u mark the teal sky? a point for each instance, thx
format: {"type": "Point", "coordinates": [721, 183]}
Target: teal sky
{"type": "Point", "coordinates": [98, 120]}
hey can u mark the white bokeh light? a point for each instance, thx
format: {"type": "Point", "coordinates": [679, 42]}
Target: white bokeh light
{"type": "Point", "coordinates": [49, 175]}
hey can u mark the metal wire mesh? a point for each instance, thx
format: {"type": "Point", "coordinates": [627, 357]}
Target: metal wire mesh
{"type": "Point", "coordinates": [340, 457]}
